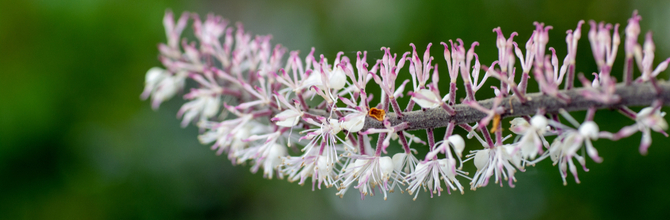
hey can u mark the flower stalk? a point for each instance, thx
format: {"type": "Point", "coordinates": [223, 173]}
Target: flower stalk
{"type": "Point", "coordinates": [643, 94]}
{"type": "Point", "coordinates": [309, 118]}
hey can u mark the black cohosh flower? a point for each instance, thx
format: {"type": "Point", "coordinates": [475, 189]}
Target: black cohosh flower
{"type": "Point", "coordinates": [308, 118]}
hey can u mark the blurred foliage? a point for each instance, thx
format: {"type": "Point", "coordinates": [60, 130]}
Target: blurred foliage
{"type": "Point", "coordinates": [77, 143]}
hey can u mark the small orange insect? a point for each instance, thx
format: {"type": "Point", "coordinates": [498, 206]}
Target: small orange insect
{"type": "Point", "coordinates": [376, 113]}
{"type": "Point", "coordinates": [496, 122]}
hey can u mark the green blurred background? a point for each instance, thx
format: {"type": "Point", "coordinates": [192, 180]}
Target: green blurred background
{"type": "Point", "coordinates": [76, 142]}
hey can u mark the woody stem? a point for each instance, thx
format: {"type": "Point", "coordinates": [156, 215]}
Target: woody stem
{"type": "Point", "coordinates": [636, 94]}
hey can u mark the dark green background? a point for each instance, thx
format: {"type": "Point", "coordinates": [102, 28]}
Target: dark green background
{"type": "Point", "coordinates": [76, 142]}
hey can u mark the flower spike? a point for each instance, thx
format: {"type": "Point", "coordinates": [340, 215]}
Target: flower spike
{"type": "Point", "coordinates": [312, 117]}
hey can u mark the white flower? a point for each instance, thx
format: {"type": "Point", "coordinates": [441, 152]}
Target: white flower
{"type": "Point", "coordinates": [539, 122]}
{"type": "Point", "coordinates": [173, 32]}
{"type": "Point", "coordinates": [324, 172]}
{"type": "Point", "coordinates": [388, 71]}
{"type": "Point", "coordinates": [327, 82]}
{"type": "Point", "coordinates": [562, 155]}
{"type": "Point", "coordinates": [649, 118]}
{"type": "Point", "coordinates": [589, 129]}
{"type": "Point", "coordinates": [161, 85]}
{"type": "Point", "coordinates": [314, 79]}
{"type": "Point", "coordinates": [337, 78]}
{"type": "Point", "coordinates": [646, 60]}
{"type": "Point", "coordinates": [287, 118]}
{"type": "Point", "coordinates": [533, 135]}
{"type": "Point", "coordinates": [262, 92]}
{"type": "Point", "coordinates": [652, 118]}
{"type": "Point", "coordinates": [299, 168]}
{"type": "Point", "coordinates": [389, 130]}
{"type": "Point", "coordinates": [501, 161]}
{"type": "Point", "coordinates": [321, 154]}
{"type": "Point", "coordinates": [565, 147]}
{"type": "Point", "coordinates": [152, 78]}
{"type": "Point", "coordinates": [457, 145]}
{"type": "Point", "coordinates": [386, 166]}
{"type": "Point", "coordinates": [369, 172]}
{"type": "Point", "coordinates": [519, 125]}
{"type": "Point", "coordinates": [353, 122]}
{"type": "Point", "coordinates": [273, 159]}
{"type": "Point", "coordinates": [426, 99]}
{"type": "Point", "coordinates": [481, 159]}
{"type": "Point", "coordinates": [320, 168]}
{"type": "Point", "coordinates": [267, 154]}
{"type": "Point", "coordinates": [429, 173]}
{"type": "Point", "coordinates": [325, 131]}
{"type": "Point", "coordinates": [229, 136]}
{"type": "Point", "coordinates": [205, 104]}
{"type": "Point", "coordinates": [405, 163]}
{"type": "Point", "coordinates": [210, 31]}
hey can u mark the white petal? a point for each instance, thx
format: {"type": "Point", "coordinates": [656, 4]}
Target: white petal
{"type": "Point", "coordinates": [514, 158]}
{"type": "Point", "coordinates": [349, 168]}
{"type": "Point", "coordinates": [167, 88]}
{"type": "Point", "coordinates": [661, 67]}
{"type": "Point", "coordinates": [386, 165]}
{"type": "Point", "coordinates": [354, 123]}
{"type": "Point", "coordinates": [433, 153]}
{"type": "Point", "coordinates": [519, 125]}
{"type": "Point", "coordinates": [660, 124]}
{"type": "Point", "coordinates": [446, 165]}
{"type": "Point", "coordinates": [275, 154]}
{"type": "Point", "coordinates": [154, 75]}
{"type": "Point", "coordinates": [481, 158]}
{"type": "Point", "coordinates": [645, 112]}
{"type": "Point", "coordinates": [398, 160]}
{"type": "Point", "coordinates": [539, 122]}
{"type": "Point", "coordinates": [589, 129]}
{"type": "Point", "coordinates": [287, 118]}
{"type": "Point", "coordinates": [420, 168]}
{"type": "Point", "coordinates": [335, 125]}
{"type": "Point", "coordinates": [527, 146]}
{"type": "Point", "coordinates": [458, 142]}
{"type": "Point", "coordinates": [424, 103]}
{"type": "Point", "coordinates": [314, 79]}
{"type": "Point", "coordinates": [323, 166]}
{"type": "Point", "coordinates": [211, 107]}
{"type": "Point", "coordinates": [358, 164]}
{"type": "Point", "coordinates": [337, 78]}
{"type": "Point", "coordinates": [207, 137]}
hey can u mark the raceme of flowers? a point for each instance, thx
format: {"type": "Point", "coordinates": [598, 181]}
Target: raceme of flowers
{"type": "Point", "coordinates": [302, 117]}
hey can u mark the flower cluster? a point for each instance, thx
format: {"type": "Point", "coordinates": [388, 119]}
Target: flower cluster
{"type": "Point", "coordinates": [309, 117]}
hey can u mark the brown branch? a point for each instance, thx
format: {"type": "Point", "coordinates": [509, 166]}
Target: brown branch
{"type": "Point", "coordinates": [637, 94]}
